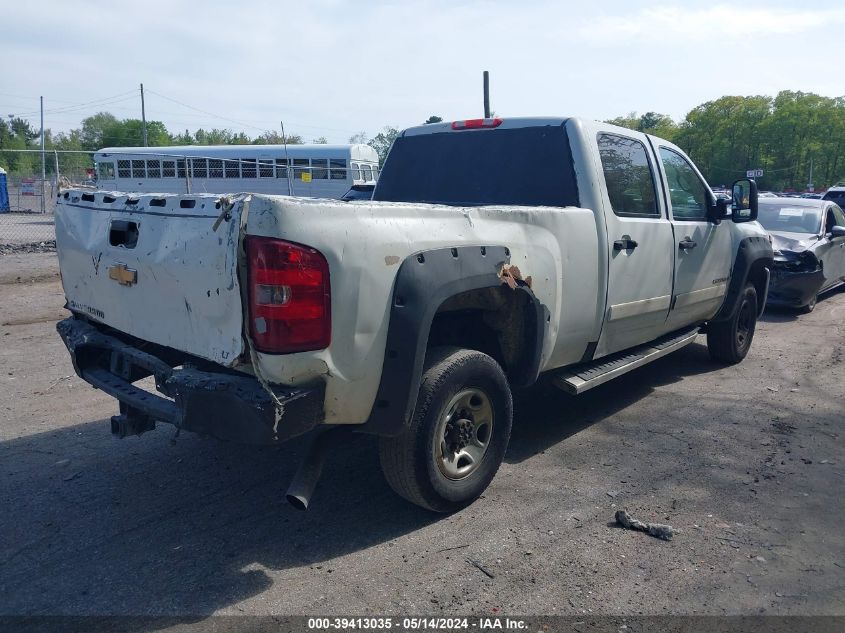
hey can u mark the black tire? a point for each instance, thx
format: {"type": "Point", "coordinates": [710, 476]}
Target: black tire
{"type": "Point", "coordinates": [810, 306]}
{"type": "Point", "coordinates": [729, 341]}
{"type": "Point", "coordinates": [413, 462]}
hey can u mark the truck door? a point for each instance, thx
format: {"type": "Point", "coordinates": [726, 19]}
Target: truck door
{"type": "Point", "coordinates": [640, 243]}
{"type": "Point", "coordinates": [703, 254]}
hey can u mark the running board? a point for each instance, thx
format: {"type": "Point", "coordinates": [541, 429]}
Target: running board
{"type": "Point", "coordinates": [580, 378]}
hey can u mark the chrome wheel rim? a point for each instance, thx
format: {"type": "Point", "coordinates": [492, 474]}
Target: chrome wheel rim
{"type": "Point", "coordinates": [463, 434]}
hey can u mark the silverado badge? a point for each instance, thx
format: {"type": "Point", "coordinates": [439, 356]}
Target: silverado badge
{"type": "Point", "coordinates": [123, 275]}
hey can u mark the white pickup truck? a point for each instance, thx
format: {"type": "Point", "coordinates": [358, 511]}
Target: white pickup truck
{"type": "Point", "coordinates": [493, 251]}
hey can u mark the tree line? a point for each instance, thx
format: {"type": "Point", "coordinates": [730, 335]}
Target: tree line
{"type": "Point", "coordinates": [785, 136]}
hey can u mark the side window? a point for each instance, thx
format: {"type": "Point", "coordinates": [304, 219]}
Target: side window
{"type": "Point", "coordinates": [367, 173]}
{"type": "Point", "coordinates": [838, 216]}
{"type": "Point", "coordinates": [281, 168]}
{"type": "Point", "coordinates": [154, 169]}
{"type": "Point", "coordinates": [300, 167]}
{"type": "Point", "coordinates": [105, 170]}
{"type": "Point", "coordinates": [248, 168]}
{"type": "Point", "coordinates": [628, 175]}
{"type": "Point", "coordinates": [265, 168]}
{"type": "Point", "coordinates": [215, 168]}
{"type": "Point", "coordinates": [319, 168]}
{"type": "Point", "coordinates": [337, 168]}
{"type": "Point", "coordinates": [232, 167]}
{"type": "Point", "coordinates": [123, 169]}
{"type": "Point", "coordinates": [168, 169]}
{"type": "Point", "coordinates": [180, 168]}
{"type": "Point", "coordinates": [686, 191]}
{"type": "Point", "coordinates": [138, 169]}
{"type": "Point", "coordinates": [199, 167]}
{"type": "Point", "coordinates": [356, 172]}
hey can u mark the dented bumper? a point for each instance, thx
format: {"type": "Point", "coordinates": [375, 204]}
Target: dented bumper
{"type": "Point", "coordinates": [224, 404]}
{"type": "Point", "coordinates": [794, 288]}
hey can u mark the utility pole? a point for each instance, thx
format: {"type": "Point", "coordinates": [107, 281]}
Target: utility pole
{"type": "Point", "coordinates": [486, 95]}
{"type": "Point", "coordinates": [143, 115]}
{"type": "Point", "coordinates": [287, 160]}
{"type": "Point", "coordinates": [810, 186]}
{"type": "Point", "coordinates": [43, 161]}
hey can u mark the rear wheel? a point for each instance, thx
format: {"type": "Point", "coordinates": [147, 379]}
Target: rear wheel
{"type": "Point", "coordinates": [458, 435]}
{"type": "Point", "coordinates": [729, 341]}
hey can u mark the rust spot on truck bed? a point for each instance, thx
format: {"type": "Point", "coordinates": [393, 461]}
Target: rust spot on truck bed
{"type": "Point", "coordinates": [511, 276]}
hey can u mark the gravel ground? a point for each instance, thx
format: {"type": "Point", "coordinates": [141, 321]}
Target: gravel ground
{"type": "Point", "coordinates": [747, 463]}
{"type": "Point", "coordinates": [26, 228]}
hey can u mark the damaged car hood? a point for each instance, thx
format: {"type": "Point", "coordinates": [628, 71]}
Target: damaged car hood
{"type": "Point", "coordinates": [792, 242]}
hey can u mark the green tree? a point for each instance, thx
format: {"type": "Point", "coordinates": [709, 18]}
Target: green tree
{"type": "Point", "coordinates": [320, 140]}
{"type": "Point", "coordinates": [271, 137]}
{"type": "Point", "coordinates": [22, 129]}
{"type": "Point", "coordinates": [382, 142]}
{"type": "Point", "coordinates": [433, 119]}
{"type": "Point", "coordinates": [105, 130]}
{"type": "Point", "coordinates": [184, 139]}
{"type": "Point", "coordinates": [654, 123]}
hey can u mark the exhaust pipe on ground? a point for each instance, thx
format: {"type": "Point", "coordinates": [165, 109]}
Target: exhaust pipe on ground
{"type": "Point", "coordinates": [308, 474]}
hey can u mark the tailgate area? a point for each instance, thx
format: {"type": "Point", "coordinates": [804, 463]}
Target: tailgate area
{"type": "Point", "coordinates": [153, 266]}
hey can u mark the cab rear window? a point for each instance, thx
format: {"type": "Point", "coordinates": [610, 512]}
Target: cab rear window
{"type": "Point", "coordinates": [529, 166]}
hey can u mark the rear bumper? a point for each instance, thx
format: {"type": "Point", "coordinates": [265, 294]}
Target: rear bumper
{"type": "Point", "coordinates": [226, 405]}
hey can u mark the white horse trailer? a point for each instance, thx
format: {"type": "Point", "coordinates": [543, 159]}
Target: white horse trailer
{"type": "Point", "coordinates": [317, 171]}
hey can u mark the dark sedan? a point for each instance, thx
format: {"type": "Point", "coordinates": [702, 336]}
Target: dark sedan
{"type": "Point", "coordinates": [808, 237]}
{"type": "Point", "coordinates": [359, 192]}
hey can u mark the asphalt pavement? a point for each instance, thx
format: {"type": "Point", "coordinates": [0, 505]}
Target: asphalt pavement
{"type": "Point", "coordinates": [746, 463]}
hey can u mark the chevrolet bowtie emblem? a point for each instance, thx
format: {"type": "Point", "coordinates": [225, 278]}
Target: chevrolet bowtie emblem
{"type": "Point", "coordinates": [123, 275]}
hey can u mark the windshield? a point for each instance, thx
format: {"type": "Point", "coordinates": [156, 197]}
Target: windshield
{"type": "Point", "coordinates": [521, 166]}
{"type": "Point", "coordinates": [786, 218]}
{"type": "Point", "coordinates": [837, 196]}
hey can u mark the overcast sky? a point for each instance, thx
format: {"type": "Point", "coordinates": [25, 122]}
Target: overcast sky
{"type": "Point", "coordinates": [334, 68]}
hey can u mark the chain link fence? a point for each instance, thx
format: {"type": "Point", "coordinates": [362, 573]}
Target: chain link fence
{"type": "Point", "coordinates": [27, 224]}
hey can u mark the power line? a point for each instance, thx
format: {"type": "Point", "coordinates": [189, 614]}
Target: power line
{"type": "Point", "coordinates": [217, 116]}
{"type": "Point", "coordinates": [244, 123]}
{"type": "Point", "coordinates": [118, 98]}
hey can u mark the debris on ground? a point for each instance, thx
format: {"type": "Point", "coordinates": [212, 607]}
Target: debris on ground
{"type": "Point", "coordinates": [481, 567]}
{"type": "Point", "coordinates": [658, 530]}
{"type": "Point", "coordinates": [449, 549]}
{"type": "Point", "coordinates": [35, 247]}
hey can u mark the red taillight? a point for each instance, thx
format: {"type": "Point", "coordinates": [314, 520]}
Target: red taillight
{"type": "Point", "coordinates": [475, 124]}
{"type": "Point", "coordinates": [289, 296]}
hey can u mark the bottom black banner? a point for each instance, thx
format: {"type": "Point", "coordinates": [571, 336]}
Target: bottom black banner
{"type": "Point", "coordinates": [358, 624]}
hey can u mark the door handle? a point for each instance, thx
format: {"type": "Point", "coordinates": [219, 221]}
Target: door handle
{"type": "Point", "coordinates": [626, 244]}
{"type": "Point", "coordinates": [686, 244]}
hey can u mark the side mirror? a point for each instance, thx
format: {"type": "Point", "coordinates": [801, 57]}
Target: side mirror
{"type": "Point", "coordinates": [717, 212]}
{"type": "Point", "coordinates": [744, 203]}
{"type": "Point", "coordinates": [837, 231]}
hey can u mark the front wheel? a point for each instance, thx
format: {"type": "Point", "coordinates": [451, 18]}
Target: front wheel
{"type": "Point", "coordinates": [810, 306]}
{"type": "Point", "coordinates": [729, 341]}
{"type": "Point", "coordinates": [458, 434]}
